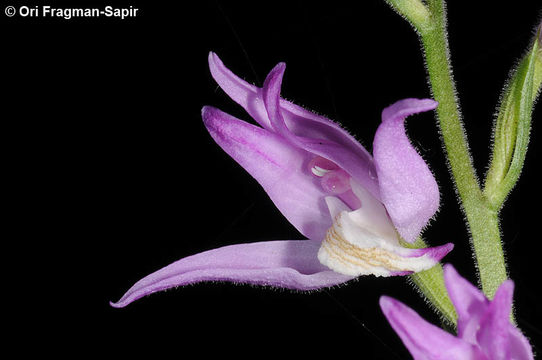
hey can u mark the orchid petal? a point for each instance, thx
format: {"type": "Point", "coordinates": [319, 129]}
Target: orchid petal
{"type": "Point", "coordinates": [281, 169]}
{"type": "Point", "coordinates": [357, 244]}
{"type": "Point", "coordinates": [496, 333]}
{"type": "Point", "coordinates": [485, 322]}
{"type": "Point", "coordinates": [320, 136]}
{"type": "Point", "coordinates": [469, 302]}
{"type": "Point", "coordinates": [493, 333]}
{"type": "Point", "coordinates": [271, 99]}
{"type": "Point", "coordinates": [407, 186]}
{"type": "Point", "coordinates": [424, 340]}
{"type": "Point", "coordinates": [303, 128]}
{"type": "Point", "coordinates": [288, 264]}
{"type": "Point", "coordinates": [243, 93]}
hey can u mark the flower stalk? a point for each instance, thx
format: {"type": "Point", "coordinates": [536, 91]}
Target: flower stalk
{"type": "Point", "coordinates": [482, 218]}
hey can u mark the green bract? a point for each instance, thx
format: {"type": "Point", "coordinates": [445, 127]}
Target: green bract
{"type": "Point", "coordinates": [512, 126]}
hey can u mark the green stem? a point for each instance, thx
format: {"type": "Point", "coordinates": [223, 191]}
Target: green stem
{"type": "Point", "coordinates": [430, 283]}
{"type": "Point", "coordinates": [482, 219]}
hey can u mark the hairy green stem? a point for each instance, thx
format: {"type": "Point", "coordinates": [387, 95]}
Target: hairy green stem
{"type": "Point", "coordinates": [429, 20]}
{"type": "Point", "coordinates": [482, 220]}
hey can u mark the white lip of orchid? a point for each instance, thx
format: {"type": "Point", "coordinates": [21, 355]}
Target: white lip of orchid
{"type": "Point", "coordinates": [364, 241]}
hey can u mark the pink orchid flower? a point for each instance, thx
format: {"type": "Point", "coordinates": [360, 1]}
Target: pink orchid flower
{"type": "Point", "coordinates": [484, 330]}
{"type": "Point", "coordinates": [352, 207]}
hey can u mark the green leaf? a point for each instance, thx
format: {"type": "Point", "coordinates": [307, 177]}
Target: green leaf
{"type": "Point", "coordinates": [513, 125]}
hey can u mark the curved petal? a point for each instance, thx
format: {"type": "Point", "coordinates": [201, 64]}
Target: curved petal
{"type": "Point", "coordinates": [243, 93]}
{"type": "Point", "coordinates": [290, 264]}
{"type": "Point", "coordinates": [407, 186]}
{"type": "Point", "coordinates": [281, 169]}
{"type": "Point", "coordinates": [469, 302]}
{"type": "Point", "coordinates": [486, 323]}
{"type": "Point", "coordinates": [346, 153]}
{"type": "Point", "coordinates": [424, 340]}
{"type": "Point", "coordinates": [499, 338]}
{"type": "Point", "coordinates": [494, 332]}
{"type": "Point", "coordinates": [304, 128]}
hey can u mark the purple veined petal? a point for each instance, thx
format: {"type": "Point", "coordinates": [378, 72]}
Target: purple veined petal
{"type": "Point", "coordinates": [290, 264]}
{"type": "Point", "coordinates": [494, 332]}
{"type": "Point", "coordinates": [497, 335]}
{"type": "Point", "coordinates": [243, 93]}
{"type": "Point", "coordinates": [271, 99]}
{"type": "Point", "coordinates": [436, 252]}
{"type": "Point", "coordinates": [347, 153]}
{"type": "Point", "coordinates": [469, 302]}
{"type": "Point", "coordinates": [407, 186]}
{"type": "Point", "coordinates": [281, 169]}
{"type": "Point", "coordinates": [316, 133]}
{"type": "Point", "coordinates": [424, 340]}
{"type": "Point", "coordinates": [518, 345]}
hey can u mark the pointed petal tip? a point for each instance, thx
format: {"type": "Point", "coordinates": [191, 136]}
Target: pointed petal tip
{"type": "Point", "coordinates": [385, 302]}
{"type": "Point", "coordinates": [450, 272]}
{"type": "Point", "coordinates": [274, 78]}
{"type": "Point", "coordinates": [435, 253]}
{"type": "Point", "coordinates": [207, 114]}
{"type": "Point", "coordinates": [402, 273]}
{"type": "Point", "coordinates": [211, 115]}
{"type": "Point", "coordinates": [421, 104]}
{"type": "Point", "coordinates": [116, 305]}
{"type": "Point", "coordinates": [451, 276]}
{"type": "Point", "coordinates": [215, 64]}
{"type": "Point", "coordinates": [206, 110]}
{"type": "Point", "coordinates": [389, 306]}
{"type": "Point", "coordinates": [406, 107]}
{"type": "Point", "coordinates": [213, 58]}
{"type": "Point", "coordinates": [441, 251]}
{"type": "Point", "coordinates": [281, 66]}
{"type": "Point", "coordinates": [505, 294]}
{"type": "Point", "coordinates": [429, 104]}
{"type": "Point", "coordinates": [508, 285]}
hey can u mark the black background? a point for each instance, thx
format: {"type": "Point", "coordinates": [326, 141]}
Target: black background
{"type": "Point", "coordinates": [112, 174]}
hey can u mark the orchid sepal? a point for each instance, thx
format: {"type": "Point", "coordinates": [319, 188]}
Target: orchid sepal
{"type": "Point", "coordinates": [290, 264]}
